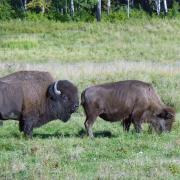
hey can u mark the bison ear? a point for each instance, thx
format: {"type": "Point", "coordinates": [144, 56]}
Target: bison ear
{"type": "Point", "coordinates": [50, 92]}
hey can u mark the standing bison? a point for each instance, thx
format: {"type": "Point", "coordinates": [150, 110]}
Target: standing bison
{"type": "Point", "coordinates": [131, 101]}
{"type": "Point", "coordinates": [34, 98]}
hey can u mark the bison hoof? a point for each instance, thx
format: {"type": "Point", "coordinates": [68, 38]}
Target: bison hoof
{"type": "Point", "coordinates": [91, 135]}
{"type": "Point", "coordinates": [28, 136]}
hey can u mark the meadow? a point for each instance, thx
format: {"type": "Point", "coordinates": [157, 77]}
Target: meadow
{"type": "Point", "coordinates": [88, 54]}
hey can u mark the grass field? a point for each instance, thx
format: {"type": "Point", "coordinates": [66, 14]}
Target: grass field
{"type": "Point", "coordinates": [134, 40]}
{"type": "Point", "coordinates": [89, 54]}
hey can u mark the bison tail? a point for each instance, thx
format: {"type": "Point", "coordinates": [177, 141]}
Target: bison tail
{"type": "Point", "coordinates": [83, 97]}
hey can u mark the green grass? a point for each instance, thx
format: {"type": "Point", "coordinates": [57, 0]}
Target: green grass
{"type": "Point", "coordinates": [133, 40]}
{"type": "Point", "coordinates": [61, 151]}
{"type": "Point", "coordinates": [89, 54]}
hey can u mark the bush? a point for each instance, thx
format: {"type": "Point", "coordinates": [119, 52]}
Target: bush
{"type": "Point", "coordinates": [136, 13]}
{"type": "Point", "coordinates": [175, 11]}
{"type": "Point", "coordinates": [84, 16]}
{"type": "Point", "coordinates": [59, 17]}
{"type": "Point", "coordinates": [6, 11]}
{"type": "Point", "coordinates": [120, 15]}
{"type": "Point", "coordinates": [35, 17]}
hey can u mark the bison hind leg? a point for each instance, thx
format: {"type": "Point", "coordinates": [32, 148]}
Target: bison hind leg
{"type": "Point", "coordinates": [88, 125]}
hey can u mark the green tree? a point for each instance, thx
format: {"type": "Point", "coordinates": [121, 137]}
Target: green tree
{"type": "Point", "coordinates": [43, 5]}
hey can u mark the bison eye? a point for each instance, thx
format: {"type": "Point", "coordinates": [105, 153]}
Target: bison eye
{"type": "Point", "coordinates": [65, 98]}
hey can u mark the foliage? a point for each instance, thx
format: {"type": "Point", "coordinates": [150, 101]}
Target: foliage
{"type": "Point", "coordinates": [85, 10]}
{"type": "Point", "coordinates": [5, 10]}
{"type": "Point", "coordinates": [35, 17]}
{"type": "Point", "coordinates": [39, 4]}
{"type": "Point", "coordinates": [120, 15]}
{"type": "Point", "coordinates": [175, 10]}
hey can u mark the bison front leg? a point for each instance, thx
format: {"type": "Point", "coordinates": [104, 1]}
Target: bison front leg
{"type": "Point", "coordinates": [88, 125]}
{"type": "Point", "coordinates": [21, 125]}
{"type": "Point", "coordinates": [26, 125]}
{"type": "Point", "coordinates": [137, 126]}
{"type": "Point", "coordinates": [126, 124]}
{"type": "Point", "coordinates": [136, 118]}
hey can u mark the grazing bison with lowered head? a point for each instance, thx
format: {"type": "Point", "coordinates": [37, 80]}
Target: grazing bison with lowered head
{"type": "Point", "coordinates": [130, 101]}
{"type": "Point", "coordinates": [35, 98]}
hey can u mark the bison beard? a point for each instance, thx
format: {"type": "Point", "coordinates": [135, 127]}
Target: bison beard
{"type": "Point", "coordinates": [34, 98]}
{"type": "Point", "coordinates": [129, 102]}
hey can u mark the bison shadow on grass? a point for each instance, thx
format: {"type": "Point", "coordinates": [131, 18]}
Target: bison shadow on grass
{"type": "Point", "coordinates": [80, 134]}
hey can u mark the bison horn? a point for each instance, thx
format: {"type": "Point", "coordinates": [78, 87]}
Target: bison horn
{"type": "Point", "coordinates": [56, 91]}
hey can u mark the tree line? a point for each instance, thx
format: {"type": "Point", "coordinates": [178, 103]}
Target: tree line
{"type": "Point", "coordinates": [82, 9]}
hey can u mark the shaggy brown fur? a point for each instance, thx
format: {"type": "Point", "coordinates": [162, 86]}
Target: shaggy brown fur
{"type": "Point", "coordinates": [130, 101]}
{"type": "Point", "coordinates": [28, 96]}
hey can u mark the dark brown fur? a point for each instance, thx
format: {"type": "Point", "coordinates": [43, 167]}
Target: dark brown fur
{"type": "Point", "coordinates": [127, 101]}
{"type": "Point", "coordinates": [28, 96]}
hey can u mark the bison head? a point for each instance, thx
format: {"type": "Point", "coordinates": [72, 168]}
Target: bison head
{"type": "Point", "coordinates": [162, 122]}
{"type": "Point", "coordinates": [63, 99]}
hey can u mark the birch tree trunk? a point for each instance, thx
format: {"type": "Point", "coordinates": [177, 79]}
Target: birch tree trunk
{"type": "Point", "coordinates": [25, 5]}
{"type": "Point", "coordinates": [165, 6]}
{"type": "Point", "coordinates": [98, 11]}
{"type": "Point", "coordinates": [78, 6]}
{"type": "Point", "coordinates": [22, 5]}
{"type": "Point", "coordinates": [108, 6]}
{"type": "Point", "coordinates": [43, 8]}
{"type": "Point", "coordinates": [72, 8]}
{"type": "Point", "coordinates": [62, 11]}
{"type": "Point", "coordinates": [128, 8]}
{"type": "Point", "coordinates": [158, 6]}
{"type": "Point", "coordinates": [132, 3]}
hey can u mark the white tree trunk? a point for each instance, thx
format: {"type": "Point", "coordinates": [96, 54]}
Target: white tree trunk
{"type": "Point", "coordinates": [158, 6]}
{"type": "Point", "coordinates": [132, 3]}
{"type": "Point", "coordinates": [66, 6]}
{"type": "Point", "coordinates": [62, 11]}
{"type": "Point", "coordinates": [165, 6]}
{"type": "Point", "coordinates": [25, 4]}
{"type": "Point", "coordinates": [108, 6]}
{"type": "Point", "coordinates": [78, 6]}
{"type": "Point", "coordinates": [128, 8]}
{"type": "Point", "coordinates": [72, 8]}
{"type": "Point", "coordinates": [43, 9]}
{"type": "Point", "coordinates": [98, 12]}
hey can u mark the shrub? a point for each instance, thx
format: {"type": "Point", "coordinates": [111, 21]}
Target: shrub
{"type": "Point", "coordinates": [175, 11]}
{"type": "Point", "coordinates": [35, 17]}
{"type": "Point", "coordinates": [5, 10]}
{"type": "Point", "coordinates": [84, 16]}
{"type": "Point", "coordinates": [120, 15]}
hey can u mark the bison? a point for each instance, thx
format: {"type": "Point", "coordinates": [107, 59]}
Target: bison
{"type": "Point", "coordinates": [35, 98]}
{"type": "Point", "coordinates": [130, 101]}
